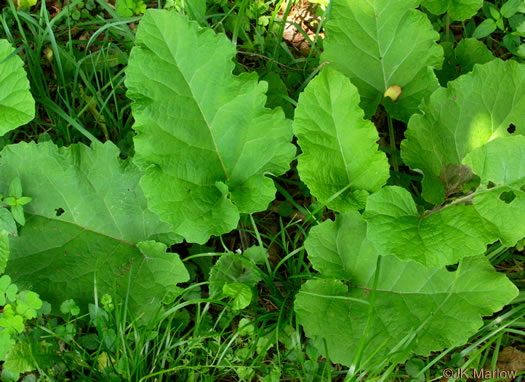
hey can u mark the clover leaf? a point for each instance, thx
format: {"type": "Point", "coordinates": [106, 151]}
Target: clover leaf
{"type": "Point", "coordinates": [10, 321]}
{"type": "Point", "coordinates": [28, 303]}
{"type": "Point", "coordinates": [70, 307]}
{"type": "Point", "coordinates": [7, 290]}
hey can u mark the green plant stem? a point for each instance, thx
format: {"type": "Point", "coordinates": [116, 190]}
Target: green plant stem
{"type": "Point", "coordinates": [462, 199]}
{"type": "Point", "coordinates": [392, 143]}
{"type": "Point", "coordinates": [447, 28]}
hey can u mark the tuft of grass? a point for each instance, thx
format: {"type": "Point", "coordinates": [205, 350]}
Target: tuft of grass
{"type": "Point", "coordinates": [76, 71]}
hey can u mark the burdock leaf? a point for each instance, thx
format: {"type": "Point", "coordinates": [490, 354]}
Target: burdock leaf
{"type": "Point", "coordinates": [435, 238]}
{"type": "Point", "coordinates": [204, 138]}
{"type": "Point", "coordinates": [383, 43]}
{"type": "Point", "coordinates": [475, 109]}
{"type": "Point", "coordinates": [87, 220]}
{"type": "Point", "coordinates": [339, 146]}
{"type": "Point", "coordinates": [501, 164]}
{"type": "Point", "coordinates": [440, 309]}
{"type": "Point", "coordinates": [494, 211]}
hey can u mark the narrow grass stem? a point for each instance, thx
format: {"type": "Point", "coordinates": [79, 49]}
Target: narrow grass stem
{"type": "Point", "coordinates": [261, 244]}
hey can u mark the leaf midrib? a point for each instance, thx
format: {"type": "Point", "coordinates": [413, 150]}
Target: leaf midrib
{"type": "Point", "coordinates": [85, 229]}
{"type": "Point", "coordinates": [175, 64]}
{"type": "Point", "coordinates": [341, 151]}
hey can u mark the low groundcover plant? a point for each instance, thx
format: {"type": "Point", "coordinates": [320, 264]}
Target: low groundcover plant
{"type": "Point", "coordinates": [392, 257]}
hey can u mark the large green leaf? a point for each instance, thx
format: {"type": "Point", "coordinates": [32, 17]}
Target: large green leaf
{"type": "Point", "coordinates": [17, 106]}
{"type": "Point", "coordinates": [339, 146]}
{"type": "Point", "coordinates": [440, 308]}
{"type": "Point", "coordinates": [463, 227]}
{"type": "Point", "coordinates": [204, 138]}
{"type": "Point", "coordinates": [29, 355]}
{"type": "Point", "coordinates": [501, 200]}
{"type": "Point", "coordinates": [435, 238]}
{"type": "Point", "coordinates": [87, 219]}
{"type": "Point", "coordinates": [384, 43]}
{"type": "Point", "coordinates": [473, 110]}
{"type": "Point", "coordinates": [458, 10]}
